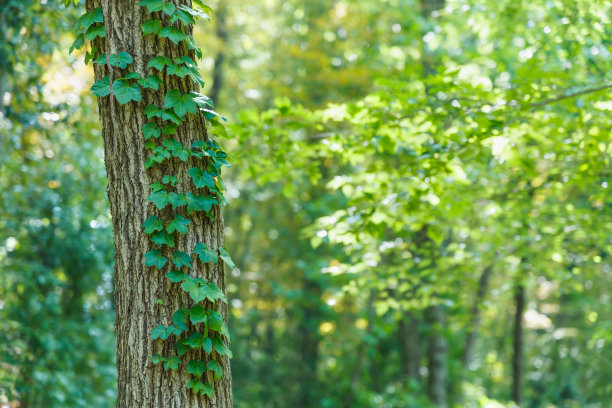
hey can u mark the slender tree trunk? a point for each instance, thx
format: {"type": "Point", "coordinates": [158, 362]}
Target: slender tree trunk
{"type": "Point", "coordinates": [409, 348]}
{"type": "Point", "coordinates": [437, 355]}
{"type": "Point", "coordinates": [221, 31]}
{"type": "Point", "coordinates": [470, 341]}
{"type": "Point", "coordinates": [356, 374]}
{"type": "Point", "coordinates": [140, 382]}
{"type": "Point", "coordinates": [517, 345]}
{"type": "Point", "coordinates": [308, 332]}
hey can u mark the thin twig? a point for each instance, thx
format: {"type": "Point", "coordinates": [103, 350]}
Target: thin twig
{"type": "Point", "coordinates": [571, 95]}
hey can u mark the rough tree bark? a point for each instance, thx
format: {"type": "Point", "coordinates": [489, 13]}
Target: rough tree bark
{"type": "Point", "coordinates": [140, 382]}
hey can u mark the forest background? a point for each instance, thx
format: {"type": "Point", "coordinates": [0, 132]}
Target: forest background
{"type": "Point", "coordinates": [420, 210]}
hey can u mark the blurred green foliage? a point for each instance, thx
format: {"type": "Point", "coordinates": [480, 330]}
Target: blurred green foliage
{"type": "Point", "coordinates": [56, 317]}
{"type": "Point", "coordinates": [401, 169]}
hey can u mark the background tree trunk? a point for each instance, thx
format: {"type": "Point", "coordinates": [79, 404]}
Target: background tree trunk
{"type": "Point", "coordinates": [470, 341]}
{"type": "Point", "coordinates": [517, 345]}
{"type": "Point", "coordinates": [308, 332]}
{"type": "Point", "coordinates": [140, 382]}
{"type": "Point", "coordinates": [409, 348]}
{"type": "Point", "coordinates": [437, 355]}
{"type": "Point", "coordinates": [221, 31]}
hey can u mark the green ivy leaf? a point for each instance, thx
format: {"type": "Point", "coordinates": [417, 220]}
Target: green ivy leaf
{"type": "Point", "coordinates": [199, 203]}
{"type": "Point", "coordinates": [216, 368]}
{"type": "Point", "coordinates": [208, 390]}
{"type": "Point", "coordinates": [202, 100]}
{"type": "Point", "coordinates": [198, 314]}
{"type": "Point", "coordinates": [185, 18]}
{"type": "Point", "coordinates": [151, 26]}
{"type": "Point", "coordinates": [215, 293]}
{"type": "Point", "coordinates": [210, 114]}
{"type": "Point", "coordinates": [217, 128]}
{"type": "Point", "coordinates": [169, 114]}
{"type": "Point", "coordinates": [152, 81]}
{"type": "Point", "coordinates": [101, 87]}
{"type": "Point", "coordinates": [215, 321]}
{"type": "Point", "coordinates": [182, 104]}
{"type": "Point", "coordinates": [176, 200]}
{"type": "Point", "coordinates": [126, 92]}
{"type": "Point", "coordinates": [87, 19]}
{"type": "Point", "coordinates": [152, 5]}
{"type": "Point", "coordinates": [101, 60]}
{"type": "Point", "coordinates": [172, 363]}
{"type": "Point", "coordinates": [172, 144]}
{"type": "Point", "coordinates": [174, 34]}
{"type": "Point", "coordinates": [169, 129]}
{"type": "Point", "coordinates": [197, 292]}
{"type": "Point", "coordinates": [178, 70]}
{"type": "Point", "coordinates": [226, 258]}
{"type": "Point", "coordinates": [180, 316]}
{"type": "Point", "coordinates": [121, 60]}
{"type": "Point", "coordinates": [89, 55]}
{"type": "Point", "coordinates": [207, 346]}
{"type": "Point", "coordinates": [167, 179]}
{"type": "Point", "coordinates": [133, 75]}
{"type": "Point", "coordinates": [157, 186]}
{"type": "Point", "coordinates": [176, 276]}
{"type": "Point", "coordinates": [195, 341]}
{"type": "Point", "coordinates": [162, 238]}
{"type": "Point", "coordinates": [158, 5]}
{"type": "Point", "coordinates": [159, 63]}
{"type": "Point", "coordinates": [201, 178]}
{"type": "Point", "coordinates": [179, 224]}
{"type": "Point", "coordinates": [182, 154]}
{"type": "Point", "coordinates": [221, 348]}
{"type": "Point", "coordinates": [78, 43]}
{"type": "Point", "coordinates": [185, 60]}
{"type": "Point", "coordinates": [180, 259]}
{"type": "Point", "coordinates": [196, 386]}
{"type": "Point", "coordinates": [158, 358]}
{"type": "Point", "coordinates": [94, 32]}
{"type": "Point", "coordinates": [161, 332]}
{"type": "Point", "coordinates": [159, 198]}
{"type": "Point", "coordinates": [194, 13]}
{"type": "Point", "coordinates": [197, 368]}
{"type": "Point", "coordinates": [151, 130]}
{"type": "Point", "coordinates": [205, 254]}
{"type": "Point", "coordinates": [155, 258]}
{"type": "Point", "coordinates": [152, 111]}
{"type": "Point", "coordinates": [152, 224]}
{"type": "Point", "coordinates": [181, 347]}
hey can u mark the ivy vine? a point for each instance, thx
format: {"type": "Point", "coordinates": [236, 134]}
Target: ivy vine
{"type": "Point", "coordinates": [211, 333]}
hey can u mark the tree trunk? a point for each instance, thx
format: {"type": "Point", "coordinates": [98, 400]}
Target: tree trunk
{"type": "Point", "coordinates": [361, 352]}
{"type": "Point", "coordinates": [410, 353]}
{"type": "Point", "coordinates": [470, 340]}
{"type": "Point", "coordinates": [221, 31]}
{"type": "Point", "coordinates": [517, 345]}
{"type": "Point", "coordinates": [308, 331]}
{"type": "Point", "coordinates": [437, 355]}
{"type": "Point", "coordinates": [137, 288]}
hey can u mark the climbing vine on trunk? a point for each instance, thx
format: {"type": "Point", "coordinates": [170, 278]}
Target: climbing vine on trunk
{"type": "Point", "coordinates": [199, 325]}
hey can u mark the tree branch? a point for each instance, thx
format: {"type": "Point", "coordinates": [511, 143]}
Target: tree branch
{"type": "Point", "coordinates": [571, 95]}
